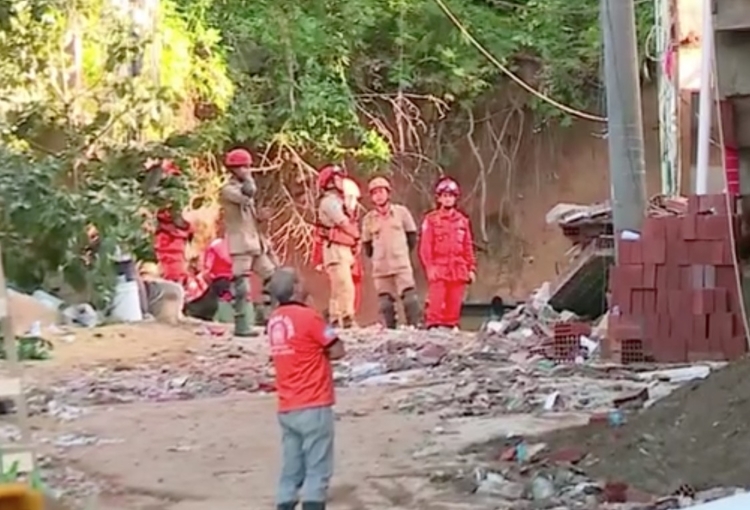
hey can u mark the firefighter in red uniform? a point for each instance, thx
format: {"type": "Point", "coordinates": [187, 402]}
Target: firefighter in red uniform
{"type": "Point", "coordinates": [173, 233]}
{"type": "Point", "coordinates": [446, 249]}
{"type": "Point", "coordinates": [216, 272]}
{"type": "Point", "coordinates": [340, 243]}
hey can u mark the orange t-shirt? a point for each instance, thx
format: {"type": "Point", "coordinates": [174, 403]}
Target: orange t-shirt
{"type": "Point", "coordinates": [298, 337]}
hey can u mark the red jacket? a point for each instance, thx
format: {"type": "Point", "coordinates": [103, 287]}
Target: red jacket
{"type": "Point", "coordinates": [170, 238]}
{"type": "Point", "coordinates": [446, 246]}
{"type": "Point", "coordinates": [170, 242]}
{"type": "Point", "coordinates": [216, 260]}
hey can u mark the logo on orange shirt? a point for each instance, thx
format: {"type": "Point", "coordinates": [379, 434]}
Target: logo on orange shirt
{"type": "Point", "coordinates": [280, 330]}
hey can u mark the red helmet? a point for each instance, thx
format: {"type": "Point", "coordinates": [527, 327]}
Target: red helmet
{"type": "Point", "coordinates": [446, 185]}
{"type": "Point", "coordinates": [168, 167]}
{"type": "Point", "coordinates": [238, 158]}
{"type": "Point", "coordinates": [327, 173]}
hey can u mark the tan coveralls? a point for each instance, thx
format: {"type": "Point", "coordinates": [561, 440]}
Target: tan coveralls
{"type": "Point", "coordinates": [249, 250]}
{"type": "Point", "coordinates": [391, 264]}
{"type": "Point", "coordinates": [337, 259]}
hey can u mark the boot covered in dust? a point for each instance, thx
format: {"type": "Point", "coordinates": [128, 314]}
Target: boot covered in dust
{"type": "Point", "coordinates": [412, 308]}
{"type": "Point", "coordinates": [244, 313]}
{"type": "Point", "coordinates": [387, 307]}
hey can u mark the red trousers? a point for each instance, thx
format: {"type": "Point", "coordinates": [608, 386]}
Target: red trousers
{"type": "Point", "coordinates": [444, 300]}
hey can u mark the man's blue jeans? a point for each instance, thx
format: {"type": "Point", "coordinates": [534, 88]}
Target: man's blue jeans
{"type": "Point", "coordinates": [307, 454]}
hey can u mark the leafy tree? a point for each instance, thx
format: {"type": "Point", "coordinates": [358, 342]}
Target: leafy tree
{"type": "Point", "coordinates": [80, 128]}
{"type": "Point", "coordinates": [88, 98]}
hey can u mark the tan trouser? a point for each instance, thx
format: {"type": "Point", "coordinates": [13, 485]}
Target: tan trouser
{"type": "Point", "coordinates": [262, 265]}
{"type": "Point", "coordinates": [394, 285]}
{"type": "Point", "coordinates": [341, 304]}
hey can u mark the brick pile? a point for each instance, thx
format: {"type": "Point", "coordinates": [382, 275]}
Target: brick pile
{"type": "Point", "coordinates": [566, 343]}
{"type": "Point", "coordinates": [673, 295]}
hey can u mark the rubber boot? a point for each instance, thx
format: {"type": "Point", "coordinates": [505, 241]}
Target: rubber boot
{"type": "Point", "coordinates": [387, 310]}
{"type": "Point", "coordinates": [412, 309]}
{"type": "Point", "coordinates": [286, 506]}
{"type": "Point", "coordinates": [224, 313]}
{"type": "Point", "coordinates": [313, 505]}
{"type": "Point", "coordinates": [244, 314]}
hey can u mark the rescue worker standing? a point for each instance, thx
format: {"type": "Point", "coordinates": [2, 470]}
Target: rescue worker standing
{"type": "Point", "coordinates": [247, 247]}
{"type": "Point", "coordinates": [340, 241]}
{"type": "Point", "coordinates": [173, 231]}
{"type": "Point", "coordinates": [389, 233]}
{"type": "Point", "coordinates": [302, 347]}
{"type": "Point", "coordinates": [446, 249]}
{"type": "Point", "coordinates": [352, 195]}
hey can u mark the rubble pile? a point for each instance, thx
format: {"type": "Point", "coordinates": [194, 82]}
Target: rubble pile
{"type": "Point", "coordinates": [544, 482]}
{"type": "Point", "coordinates": [695, 438]}
{"type": "Point", "coordinates": [584, 224]}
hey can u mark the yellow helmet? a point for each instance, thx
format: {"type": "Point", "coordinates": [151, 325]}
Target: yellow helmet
{"type": "Point", "coordinates": [377, 183]}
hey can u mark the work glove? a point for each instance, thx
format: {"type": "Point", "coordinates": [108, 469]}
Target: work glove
{"type": "Point", "coordinates": [249, 188]}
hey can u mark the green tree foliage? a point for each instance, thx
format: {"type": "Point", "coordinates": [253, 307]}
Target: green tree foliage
{"type": "Point", "coordinates": [79, 131]}
{"type": "Point", "coordinates": [309, 73]}
{"type": "Point", "coordinates": [365, 81]}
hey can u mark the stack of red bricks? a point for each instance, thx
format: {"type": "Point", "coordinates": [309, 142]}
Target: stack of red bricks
{"type": "Point", "coordinates": [674, 292]}
{"type": "Point", "coordinates": [566, 344]}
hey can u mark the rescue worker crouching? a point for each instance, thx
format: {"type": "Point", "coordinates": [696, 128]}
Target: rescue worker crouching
{"type": "Point", "coordinates": [340, 243]}
{"type": "Point", "coordinates": [248, 249]}
{"type": "Point", "coordinates": [446, 249]}
{"type": "Point", "coordinates": [389, 233]}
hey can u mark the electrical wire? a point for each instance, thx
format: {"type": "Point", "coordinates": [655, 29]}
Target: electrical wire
{"type": "Point", "coordinates": [528, 88]}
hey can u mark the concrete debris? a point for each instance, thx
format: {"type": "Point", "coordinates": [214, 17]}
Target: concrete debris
{"type": "Point", "coordinates": [549, 485]}
{"type": "Point", "coordinates": [460, 373]}
{"type": "Point", "coordinates": [72, 440]}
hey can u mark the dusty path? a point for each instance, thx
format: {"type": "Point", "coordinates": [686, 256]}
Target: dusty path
{"type": "Point", "coordinates": [223, 453]}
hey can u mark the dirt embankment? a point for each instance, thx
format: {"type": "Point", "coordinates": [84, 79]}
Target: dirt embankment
{"type": "Point", "coordinates": [697, 436]}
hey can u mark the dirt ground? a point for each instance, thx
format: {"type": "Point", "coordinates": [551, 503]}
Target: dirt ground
{"type": "Point", "coordinates": [223, 452]}
{"type": "Point", "coordinates": [697, 436]}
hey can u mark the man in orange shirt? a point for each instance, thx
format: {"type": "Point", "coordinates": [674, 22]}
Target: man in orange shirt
{"type": "Point", "coordinates": [302, 347]}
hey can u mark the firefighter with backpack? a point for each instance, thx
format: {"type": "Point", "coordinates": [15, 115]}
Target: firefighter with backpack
{"type": "Point", "coordinates": [340, 237]}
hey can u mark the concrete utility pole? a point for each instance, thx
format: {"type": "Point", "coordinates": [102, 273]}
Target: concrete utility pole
{"type": "Point", "coordinates": [625, 126]}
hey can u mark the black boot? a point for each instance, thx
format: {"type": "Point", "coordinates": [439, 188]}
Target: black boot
{"type": "Point", "coordinates": [412, 308]}
{"type": "Point", "coordinates": [387, 310]}
{"type": "Point", "coordinates": [286, 506]}
{"type": "Point", "coordinates": [313, 505]}
{"type": "Point", "coordinates": [347, 322]}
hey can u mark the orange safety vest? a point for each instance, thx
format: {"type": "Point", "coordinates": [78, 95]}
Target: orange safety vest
{"type": "Point", "coordinates": [336, 235]}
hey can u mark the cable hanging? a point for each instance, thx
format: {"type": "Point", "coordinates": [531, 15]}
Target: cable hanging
{"type": "Point", "coordinates": [528, 88]}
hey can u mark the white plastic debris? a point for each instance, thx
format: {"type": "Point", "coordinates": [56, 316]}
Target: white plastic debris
{"type": "Point", "coordinates": [678, 375]}
{"type": "Point", "coordinates": [736, 502]}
